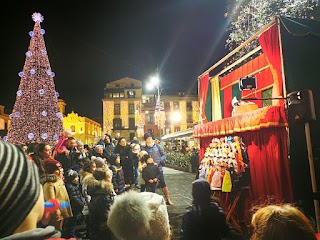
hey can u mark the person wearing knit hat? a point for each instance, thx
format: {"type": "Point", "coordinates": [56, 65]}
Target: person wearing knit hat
{"type": "Point", "coordinates": [54, 188]}
{"type": "Point", "coordinates": [142, 216]}
{"type": "Point", "coordinates": [71, 175]}
{"type": "Point", "coordinates": [100, 163]}
{"type": "Point", "coordinates": [79, 143]}
{"type": "Point", "coordinates": [52, 165]}
{"type": "Point", "coordinates": [21, 196]}
{"type": "Point", "coordinates": [147, 135]}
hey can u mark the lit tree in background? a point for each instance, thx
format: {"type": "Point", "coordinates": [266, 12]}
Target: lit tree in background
{"type": "Point", "coordinates": [36, 116]}
{"type": "Point", "coordinates": [248, 16]}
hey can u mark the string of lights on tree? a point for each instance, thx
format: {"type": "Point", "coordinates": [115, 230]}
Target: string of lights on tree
{"type": "Point", "coordinates": [246, 17]}
{"type": "Point", "coordinates": [36, 116]}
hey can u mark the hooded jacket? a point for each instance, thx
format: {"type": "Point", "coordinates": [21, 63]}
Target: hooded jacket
{"type": "Point", "coordinates": [54, 188]}
{"type": "Point", "coordinates": [102, 197]}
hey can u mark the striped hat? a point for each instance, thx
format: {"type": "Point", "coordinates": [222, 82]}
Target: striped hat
{"type": "Point", "coordinates": [19, 187]}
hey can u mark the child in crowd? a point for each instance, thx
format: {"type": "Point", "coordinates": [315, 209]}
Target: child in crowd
{"type": "Point", "coordinates": [141, 165]}
{"type": "Point", "coordinates": [77, 203]}
{"type": "Point", "coordinates": [135, 160]}
{"type": "Point", "coordinates": [101, 163]}
{"type": "Point", "coordinates": [118, 177]}
{"type": "Point", "coordinates": [88, 168]}
{"type": "Point", "coordinates": [150, 174]}
{"type": "Point", "coordinates": [61, 146]}
{"type": "Point", "coordinates": [54, 188]}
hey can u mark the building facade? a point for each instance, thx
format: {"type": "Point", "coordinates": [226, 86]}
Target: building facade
{"type": "Point", "coordinates": [83, 128]}
{"type": "Point", "coordinates": [129, 113]}
{"type": "Point", "coordinates": [4, 121]}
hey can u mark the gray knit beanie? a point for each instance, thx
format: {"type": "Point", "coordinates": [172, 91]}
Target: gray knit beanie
{"type": "Point", "coordinates": [19, 187]}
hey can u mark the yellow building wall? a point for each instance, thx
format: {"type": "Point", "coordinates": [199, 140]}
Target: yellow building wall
{"type": "Point", "coordinates": [83, 128]}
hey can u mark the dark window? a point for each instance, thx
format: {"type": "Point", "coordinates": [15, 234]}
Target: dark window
{"type": "Point", "coordinates": [131, 136]}
{"type": "Point", "coordinates": [117, 123]}
{"type": "Point", "coordinates": [189, 106]}
{"type": "Point", "coordinates": [131, 94]}
{"type": "Point", "coordinates": [189, 118]}
{"type": "Point", "coordinates": [131, 108]}
{"type": "Point", "coordinates": [167, 106]}
{"type": "Point", "coordinates": [132, 123]}
{"type": "Point", "coordinates": [117, 109]}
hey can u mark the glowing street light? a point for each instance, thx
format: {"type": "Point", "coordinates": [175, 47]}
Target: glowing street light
{"type": "Point", "coordinates": [176, 117]}
{"type": "Point", "coordinates": [155, 82]}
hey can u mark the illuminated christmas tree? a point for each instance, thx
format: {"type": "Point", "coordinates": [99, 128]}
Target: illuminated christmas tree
{"type": "Point", "coordinates": [36, 116]}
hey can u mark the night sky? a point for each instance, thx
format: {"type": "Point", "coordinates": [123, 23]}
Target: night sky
{"type": "Point", "coordinates": [95, 42]}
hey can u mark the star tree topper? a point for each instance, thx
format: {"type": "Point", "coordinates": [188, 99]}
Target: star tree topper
{"type": "Point", "coordinates": [37, 17]}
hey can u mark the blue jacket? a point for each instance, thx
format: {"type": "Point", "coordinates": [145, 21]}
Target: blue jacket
{"type": "Point", "coordinates": [157, 153]}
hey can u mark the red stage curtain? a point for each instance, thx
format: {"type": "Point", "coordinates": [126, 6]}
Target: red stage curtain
{"type": "Point", "coordinates": [203, 91]}
{"type": "Point", "coordinates": [264, 133]}
{"type": "Point", "coordinates": [269, 41]}
{"type": "Point", "coordinates": [269, 164]}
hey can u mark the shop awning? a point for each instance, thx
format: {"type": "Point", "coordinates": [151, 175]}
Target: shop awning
{"type": "Point", "coordinates": [271, 116]}
{"type": "Point", "coordinates": [178, 135]}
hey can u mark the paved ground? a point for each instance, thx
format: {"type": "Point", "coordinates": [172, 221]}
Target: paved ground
{"type": "Point", "coordinates": [179, 184]}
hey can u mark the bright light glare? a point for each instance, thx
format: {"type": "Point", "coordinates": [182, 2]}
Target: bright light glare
{"type": "Point", "coordinates": [176, 117]}
{"type": "Point", "coordinates": [155, 79]}
{"type": "Point", "coordinates": [150, 86]}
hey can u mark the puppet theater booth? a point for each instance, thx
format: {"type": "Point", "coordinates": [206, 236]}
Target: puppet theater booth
{"type": "Point", "coordinates": [263, 133]}
{"type": "Point", "coordinates": [285, 60]}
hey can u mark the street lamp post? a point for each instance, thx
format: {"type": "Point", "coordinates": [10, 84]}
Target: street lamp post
{"type": "Point", "coordinates": [155, 82]}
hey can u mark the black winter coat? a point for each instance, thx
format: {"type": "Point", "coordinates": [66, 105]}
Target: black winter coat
{"type": "Point", "coordinates": [151, 171]}
{"type": "Point", "coordinates": [204, 222]}
{"type": "Point", "coordinates": [118, 178]}
{"type": "Point", "coordinates": [126, 162]}
{"type": "Point", "coordinates": [102, 197]}
{"type": "Point", "coordinates": [76, 199]}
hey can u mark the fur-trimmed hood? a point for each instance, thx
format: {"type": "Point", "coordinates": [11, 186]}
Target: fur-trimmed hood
{"type": "Point", "coordinates": [83, 173]}
{"type": "Point", "coordinates": [95, 186]}
{"type": "Point", "coordinates": [47, 178]}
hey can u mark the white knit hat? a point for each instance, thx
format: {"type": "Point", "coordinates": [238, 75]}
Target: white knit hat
{"type": "Point", "coordinates": [142, 216]}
